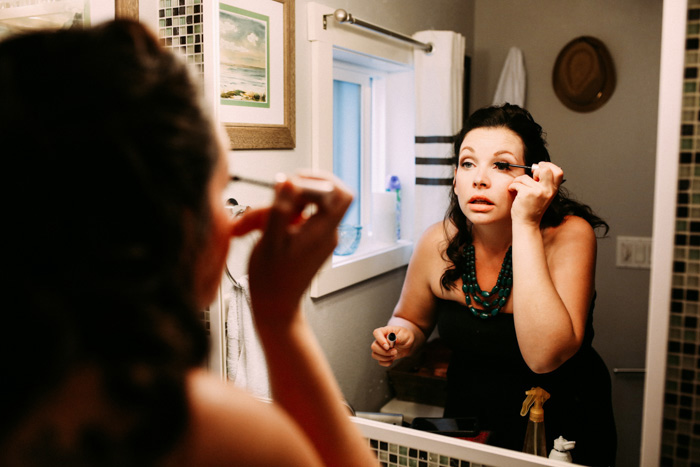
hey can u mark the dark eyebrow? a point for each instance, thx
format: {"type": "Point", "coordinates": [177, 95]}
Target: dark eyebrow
{"type": "Point", "coordinates": [497, 153]}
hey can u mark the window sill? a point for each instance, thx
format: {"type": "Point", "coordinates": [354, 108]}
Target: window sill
{"type": "Point", "coordinates": [369, 261]}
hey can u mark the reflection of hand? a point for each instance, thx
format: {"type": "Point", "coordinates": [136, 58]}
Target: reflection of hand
{"type": "Point", "coordinates": [535, 194]}
{"type": "Point", "coordinates": [384, 352]}
{"type": "Point", "coordinates": [295, 243]}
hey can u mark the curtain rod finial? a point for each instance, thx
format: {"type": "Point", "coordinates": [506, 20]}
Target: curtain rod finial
{"type": "Point", "coordinates": [342, 16]}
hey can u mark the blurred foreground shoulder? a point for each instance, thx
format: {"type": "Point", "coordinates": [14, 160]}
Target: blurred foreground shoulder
{"type": "Point", "coordinates": [228, 426]}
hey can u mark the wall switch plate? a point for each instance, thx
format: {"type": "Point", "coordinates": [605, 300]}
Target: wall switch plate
{"type": "Point", "coordinates": [634, 252]}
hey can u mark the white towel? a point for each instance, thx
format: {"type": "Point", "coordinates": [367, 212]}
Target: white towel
{"type": "Point", "coordinates": [511, 84]}
{"type": "Point", "coordinates": [245, 360]}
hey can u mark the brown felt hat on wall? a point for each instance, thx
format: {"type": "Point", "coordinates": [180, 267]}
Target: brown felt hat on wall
{"type": "Point", "coordinates": [584, 74]}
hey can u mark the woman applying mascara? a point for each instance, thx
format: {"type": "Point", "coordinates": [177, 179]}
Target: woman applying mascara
{"type": "Point", "coordinates": [509, 280]}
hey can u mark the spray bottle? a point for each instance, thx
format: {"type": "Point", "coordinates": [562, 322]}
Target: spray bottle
{"type": "Point", "coordinates": [534, 436]}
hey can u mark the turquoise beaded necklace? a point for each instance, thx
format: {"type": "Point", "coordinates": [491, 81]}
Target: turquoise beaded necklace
{"type": "Point", "coordinates": [492, 301]}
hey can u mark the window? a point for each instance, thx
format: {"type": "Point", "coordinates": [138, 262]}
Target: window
{"type": "Point", "coordinates": [367, 133]}
{"type": "Point", "coordinates": [349, 135]}
{"type": "Point", "coordinates": [358, 109]}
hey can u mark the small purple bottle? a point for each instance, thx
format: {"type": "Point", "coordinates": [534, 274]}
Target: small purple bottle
{"type": "Point", "coordinates": [394, 184]}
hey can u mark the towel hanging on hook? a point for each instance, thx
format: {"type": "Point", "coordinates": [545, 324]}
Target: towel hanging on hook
{"type": "Point", "coordinates": [236, 210]}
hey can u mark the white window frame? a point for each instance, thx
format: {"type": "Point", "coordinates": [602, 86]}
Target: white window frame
{"type": "Point", "coordinates": [350, 44]}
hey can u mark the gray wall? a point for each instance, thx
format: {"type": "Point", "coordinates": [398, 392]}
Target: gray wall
{"type": "Point", "coordinates": [608, 156]}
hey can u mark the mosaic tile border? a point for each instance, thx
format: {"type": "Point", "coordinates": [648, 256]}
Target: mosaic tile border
{"type": "Point", "coordinates": [395, 455]}
{"type": "Point", "coordinates": [181, 29]}
{"type": "Point", "coordinates": [680, 444]}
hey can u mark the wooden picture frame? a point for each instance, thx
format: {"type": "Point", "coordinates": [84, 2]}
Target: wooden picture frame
{"type": "Point", "coordinates": [126, 9]}
{"type": "Point", "coordinates": [276, 128]}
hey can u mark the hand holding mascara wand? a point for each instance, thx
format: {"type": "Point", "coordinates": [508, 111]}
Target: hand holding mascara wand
{"type": "Point", "coordinates": [504, 165]}
{"type": "Point", "coordinates": [307, 183]}
{"type": "Point", "coordinates": [313, 192]}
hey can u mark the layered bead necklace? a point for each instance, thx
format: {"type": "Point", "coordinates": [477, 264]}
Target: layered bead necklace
{"type": "Point", "coordinates": [491, 302]}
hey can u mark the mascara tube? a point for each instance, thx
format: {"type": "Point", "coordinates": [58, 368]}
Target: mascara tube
{"type": "Point", "coordinates": [392, 340]}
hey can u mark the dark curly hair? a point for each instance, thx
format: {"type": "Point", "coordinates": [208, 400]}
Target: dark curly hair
{"type": "Point", "coordinates": [107, 156]}
{"type": "Point", "coordinates": [530, 132]}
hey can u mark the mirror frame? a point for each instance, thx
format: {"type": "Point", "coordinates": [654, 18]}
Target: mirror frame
{"type": "Point", "coordinates": [667, 150]}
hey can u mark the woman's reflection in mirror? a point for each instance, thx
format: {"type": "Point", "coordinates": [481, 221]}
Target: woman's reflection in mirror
{"type": "Point", "coordinates": [508, 279]}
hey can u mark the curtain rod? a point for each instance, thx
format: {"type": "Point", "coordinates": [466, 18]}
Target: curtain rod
{"type": "Point", "coordinates": [343, 16]}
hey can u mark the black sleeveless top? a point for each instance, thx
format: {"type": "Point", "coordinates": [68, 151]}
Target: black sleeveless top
{"type": "Point", "coordinates": [487, 378]}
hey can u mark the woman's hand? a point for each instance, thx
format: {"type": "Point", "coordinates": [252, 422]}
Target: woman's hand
{"type": "Point", "coordinates": [299, 233]}
{"type": "Point", "coordinates": [535, 194]}
{"type": "Point", "coordinates": [383, 351]}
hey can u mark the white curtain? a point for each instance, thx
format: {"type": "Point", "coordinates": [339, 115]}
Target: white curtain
{"type": "Point", "coordinates": [439, 78]}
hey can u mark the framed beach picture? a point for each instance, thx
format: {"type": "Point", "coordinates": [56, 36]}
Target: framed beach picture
{"type": "Point", "coordinates": [255, 82]}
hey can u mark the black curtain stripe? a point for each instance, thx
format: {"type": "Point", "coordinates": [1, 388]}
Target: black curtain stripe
{"type": "Point", "coordinates": [433, 181]}
{"type": "Point", "coordinates": [433, 161]}
{"type": "Point", "coordinates": [434, 139]}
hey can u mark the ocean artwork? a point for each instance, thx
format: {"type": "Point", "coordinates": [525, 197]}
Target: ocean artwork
{"type": "Point", "coordinates": [244, 57]}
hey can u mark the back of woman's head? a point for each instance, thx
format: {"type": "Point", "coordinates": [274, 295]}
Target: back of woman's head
{"type": "Point", "coordinates": [107, 154]}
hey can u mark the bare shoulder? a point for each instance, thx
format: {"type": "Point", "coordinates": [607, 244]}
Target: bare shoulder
{"type": "Point", "coordinates": [228, 426]}
{"type": "Point", "coordinates": [428, 260]}
{"type": "Point", "coordinates": [570, 244]}
{"type": "Point", "coordinates": [573, 230]}
{"type": "Point", "coordinates": [434, 239]}
{"type": "Point", "coordinates": [428, 264]}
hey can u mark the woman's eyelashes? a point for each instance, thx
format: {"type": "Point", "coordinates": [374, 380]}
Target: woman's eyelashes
{"type": "Point", "coordinates": [502, 165]}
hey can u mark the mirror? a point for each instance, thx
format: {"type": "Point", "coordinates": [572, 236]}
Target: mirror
{"type": "Point", "coordinates": [591, 147]}
{"type": "Point", "coordinates": [608, 156]}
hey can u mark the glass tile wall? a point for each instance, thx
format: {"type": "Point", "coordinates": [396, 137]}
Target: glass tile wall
{"type": "Point", "coordinates": [180, 28]}
{"type": "Point", "coordinates": [680, 444]}
{"type": "Point", "coordinates": [180, 24]}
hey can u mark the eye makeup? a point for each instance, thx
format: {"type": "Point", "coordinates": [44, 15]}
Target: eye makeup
{"type": "Point", "coordinates": [504, 165]}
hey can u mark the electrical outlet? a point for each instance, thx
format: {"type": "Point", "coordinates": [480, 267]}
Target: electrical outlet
{"type": "Point", "coordinates": [634, 252]}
